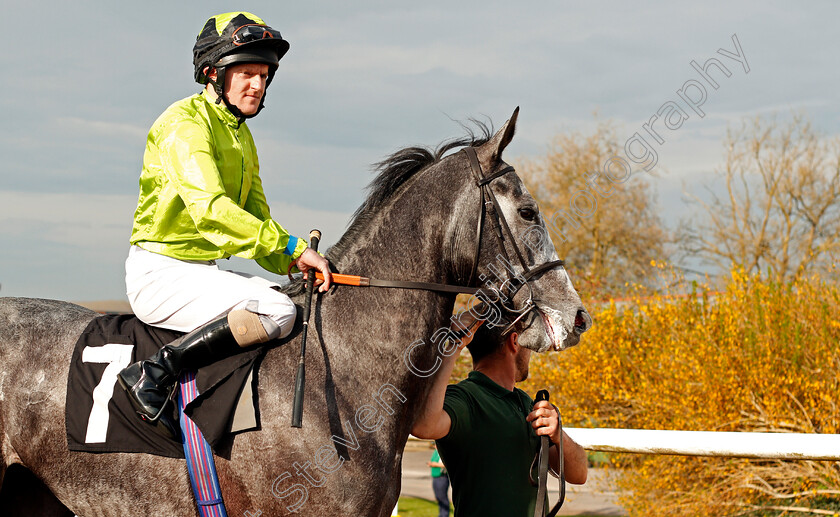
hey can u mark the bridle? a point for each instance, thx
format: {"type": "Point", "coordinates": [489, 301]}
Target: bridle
{"type": "Point", "coordinates": [501, 229]}
{"type": "Point", "coordinates": [503, 296]}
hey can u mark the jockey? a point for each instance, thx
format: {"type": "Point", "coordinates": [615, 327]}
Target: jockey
{"type": "Point", "coordinates": [201, 200]}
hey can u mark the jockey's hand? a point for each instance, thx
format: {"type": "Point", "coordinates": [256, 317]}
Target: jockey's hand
{"type": "Point", "coordinates": [310, 259]}
{"type": "Point", "coordinates": [545, 420]}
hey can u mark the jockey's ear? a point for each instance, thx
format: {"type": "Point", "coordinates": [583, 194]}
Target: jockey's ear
{"type": "Point", "coordinates": [490, 153]}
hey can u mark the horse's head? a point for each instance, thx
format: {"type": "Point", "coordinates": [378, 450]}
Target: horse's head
{"type": "Point", "coordinates": [520, 272]}
{"type": "Point", "coordinates": [436, 216]}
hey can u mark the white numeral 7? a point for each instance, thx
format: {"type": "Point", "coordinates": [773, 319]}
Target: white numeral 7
{"type": "Point", "coordinates": [118, 357]}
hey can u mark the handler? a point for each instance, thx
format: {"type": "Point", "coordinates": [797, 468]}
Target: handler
{"type": "Point", "coordinates": [201, 200]}
{"type": "Point", "coordinates": [487, 430]}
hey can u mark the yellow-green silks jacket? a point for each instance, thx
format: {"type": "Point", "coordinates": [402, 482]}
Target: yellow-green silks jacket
{"type": "Point", "coordinates": [201, 197]}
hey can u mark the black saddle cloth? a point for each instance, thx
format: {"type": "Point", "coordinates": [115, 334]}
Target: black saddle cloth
{"type": "Point", "coordinates": [98, 414]}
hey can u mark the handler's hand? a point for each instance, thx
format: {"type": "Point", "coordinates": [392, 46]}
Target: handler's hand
{"type": "Point", "coordinates": [464, 327]}
{"type": "Point", "coordinates": [310, 259]}
{"type": "Point", "coordinates": [544, 420]}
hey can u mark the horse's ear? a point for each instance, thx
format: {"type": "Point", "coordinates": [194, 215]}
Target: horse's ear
{"type": "Point", "coordinates": [491, 152]}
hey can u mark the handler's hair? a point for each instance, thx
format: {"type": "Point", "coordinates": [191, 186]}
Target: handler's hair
{"type": "Point", "coordinates": [486, 341]}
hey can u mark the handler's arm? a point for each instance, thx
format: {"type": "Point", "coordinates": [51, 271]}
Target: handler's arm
{"type": "Point", "coordinates": [433, 422]}
{"type": "Point", "coordinates": [574, 460]}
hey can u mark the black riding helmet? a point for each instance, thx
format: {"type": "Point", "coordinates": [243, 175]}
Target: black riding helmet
{"type": "Point", "coordinates": [235, 38]}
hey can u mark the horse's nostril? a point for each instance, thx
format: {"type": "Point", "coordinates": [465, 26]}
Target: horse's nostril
{"type": "Point", "coordinates": [581, 321]}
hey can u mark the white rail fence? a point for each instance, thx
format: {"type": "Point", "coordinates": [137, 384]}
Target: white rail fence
{"type": "Point", "coordinates": [782, 446]}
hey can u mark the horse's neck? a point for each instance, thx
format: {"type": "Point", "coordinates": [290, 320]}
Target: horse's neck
{"type": "Point", "coordinates": [407, 242]}
{"type": "Point", "coordinates": [411, 237]}
{"type": "Point", "coordinates": [364, 341]}
{"type": "Point", "coordinates": [408, 245]}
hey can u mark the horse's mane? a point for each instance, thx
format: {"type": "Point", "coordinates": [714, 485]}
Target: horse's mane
{"type": "Point", "coordinates": [394, 171]}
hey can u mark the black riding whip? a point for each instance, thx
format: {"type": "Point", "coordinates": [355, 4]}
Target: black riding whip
{"type": "Point", "coordinates": [300, 380]}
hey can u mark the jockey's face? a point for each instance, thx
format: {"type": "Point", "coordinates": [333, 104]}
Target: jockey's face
{"type": "Point", "coordinates": [245, 86]}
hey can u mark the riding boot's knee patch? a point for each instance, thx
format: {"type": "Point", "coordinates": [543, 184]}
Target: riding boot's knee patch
{"type": "Point", "coordinates": [246, 327]}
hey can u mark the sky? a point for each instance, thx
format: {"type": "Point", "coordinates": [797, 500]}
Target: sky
{"type": "Point", "coordinates": [83, 81]}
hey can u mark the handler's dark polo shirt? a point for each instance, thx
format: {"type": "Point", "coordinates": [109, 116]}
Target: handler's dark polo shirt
{"type": "Point", "coordinates": [489, 449]}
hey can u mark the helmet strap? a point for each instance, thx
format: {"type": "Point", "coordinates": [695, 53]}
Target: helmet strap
{"type": "Point", "coordinates": [219, 88]}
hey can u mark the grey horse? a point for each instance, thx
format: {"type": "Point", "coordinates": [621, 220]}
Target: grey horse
{"type": "Point", "coordinates": [371, 358]}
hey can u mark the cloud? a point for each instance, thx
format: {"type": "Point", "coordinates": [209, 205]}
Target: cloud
{"type": "Point", "coordinates": [86, 223]}
{"type": "Point", "coordinates": [99, 128]}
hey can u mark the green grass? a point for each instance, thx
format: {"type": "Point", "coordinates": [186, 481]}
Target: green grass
{"type": "Point", "coordinates": [413, 507]}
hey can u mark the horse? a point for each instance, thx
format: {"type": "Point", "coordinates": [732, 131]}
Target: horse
{"type": "Point", "coordinates": [370, 361]}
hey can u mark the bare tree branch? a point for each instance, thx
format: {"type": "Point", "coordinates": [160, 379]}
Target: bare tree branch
{"type": "Point", "coordinates": [781, 208]}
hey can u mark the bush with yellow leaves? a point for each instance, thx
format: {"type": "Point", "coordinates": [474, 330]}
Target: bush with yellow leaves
{"type": "Point", "coordinates": [760, 355]}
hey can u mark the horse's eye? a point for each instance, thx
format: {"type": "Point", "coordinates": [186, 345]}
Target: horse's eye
{"type": "Point", "coordinates": [529, 214]}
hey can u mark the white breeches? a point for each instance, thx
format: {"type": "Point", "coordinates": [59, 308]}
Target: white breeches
{"type": "Point", "coordinates": [184, 295]}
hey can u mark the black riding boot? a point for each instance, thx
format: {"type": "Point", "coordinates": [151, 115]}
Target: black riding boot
{"type": "Point", "coordinates": [151, 383]}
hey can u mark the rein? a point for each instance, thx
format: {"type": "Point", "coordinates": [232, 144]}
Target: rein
{"type": "Point", "coordinates": [363, 281]}
{"type": "Point", "coordinates": [541, 459]}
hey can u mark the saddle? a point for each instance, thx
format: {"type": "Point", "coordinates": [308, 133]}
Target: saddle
{"type": "Point", "coordinates": [99, 417]}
